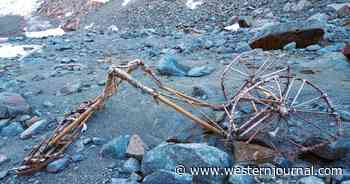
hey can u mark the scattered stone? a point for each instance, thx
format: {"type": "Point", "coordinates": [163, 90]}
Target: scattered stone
{"type": "Point", "coordinates": [199, 92]}
{"type": "Point", "coordinates": [3, 174]}
{"type": "Point", "coordinates": [77, 158]}
{"type": "Point", "coordinates": [3, 159]}
{"type": "Point", "coordinates": [136, 147]}
{"type": "Point", "coordinates": [310, 180]}
{"type": "Point", "coordinates": [242, 47]}
{"type": "Point", "coordinates": [48, 104]}
{"type": "Point", "coordinates": [322, 17]}
{"type": "Point", "coordinates": [57, 165]}
{"type": "Point", "coordinates": [4, 123]}
{"type": "Point", "coordinates": [346, 51]}
{"type": "Point", "coordinates": [168, 65]}
{"type": "Point", "coordinates": [12, 104]}
{"type": "Point", "coordinates": [98, 141]}
{"type": "Point", "coordinates": [276, 36]}
{"type": "Point", "coordinates": [12, 130]}
{"type": "Point", "coordinates": [200, 71]}
{"type": "Point", "coordinates": [34, 129]}
{"type": "Point", "coordinates": [71, 88]}
{"type": "Point", "coordinates": [243, 21]}
{"type": "Point", "coordinates": [167, 156]}
{"type": "Point", "coordinates": [344, 115]}
{"type": "Point", "coordinates": [290, 46]}
{"type": "Point", "coordinates": [164, 176]}
{"type": "Point", "coordinates": [315, 47]}
{"type": "Point", "coordinates": [132, 165]}
{"type": "Point", "coordinates": [301, 5]}
{"type": "Point", "coordinates": [116, 148]}
{"type": "Point", "coordinates": [342, 9]}
{"type": "Point", "coordinates": [123, 181]}
{"type": "Point", "coordinates": [240, 179]}
{"type": "Point", "coordinates": [333, 151]}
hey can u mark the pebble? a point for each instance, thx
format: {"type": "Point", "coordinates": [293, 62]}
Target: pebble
{"type": "Point", "coordinates": [35, 128]}
{"type": "Point", "coordinates": [310, 180]}
{"type": "Point", "coordinates": [57, 165]}
{"type": "Point", "coordinates": [12, 129]}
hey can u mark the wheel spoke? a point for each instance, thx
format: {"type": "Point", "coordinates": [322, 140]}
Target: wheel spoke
{"type": "Point", "coordinates": [254, 125]}
{"type": "Point", "coordinates": [298, 93]}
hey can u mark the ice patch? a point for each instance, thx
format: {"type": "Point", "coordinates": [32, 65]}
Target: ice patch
{"type": "Point", "coordinates": [126, 2]}
{"type": "Point", "coordinates": [18, 7]}
{"type": "Point", "coordinates": [22, 51]}
{"type": "Point", "coordinates": [46, 33]}
{"type": "Point", "coordinates": [193, 4]}
{"type": "Point", "coordinates": [233, 27]}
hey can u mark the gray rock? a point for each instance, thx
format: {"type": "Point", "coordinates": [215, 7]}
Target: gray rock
{"type": "Point", "coordinates": [136, 147]}
{"type": "Point", "coordinates": [35, 128]}
{"type": "Point", "coordinates": [71, 88]}
{"type": "Point", "coordinates": [3, 159]}
{"type": "Point", "coordinates": [12, 130]}
{"type": "Point", "coordinates": [132, 165]}
{"type": "Point", "coordinates": [313, 47]}
{"type": "Point", "coordinates": [98, 141]}
{"type": "Point", "coordinates": [199, 92]}
{"type": "Point", "coordinates": [48, 104]}
{"type": "Point", "coordinates": [276, 36]}
{"type": "Point", "coordinates": [164, 176]}
{"type": "Point", "coordinates": [167, 156]}
{"type": "Point", "coordinates": [12, 104]}
{"type": "Point", "coordinates": [4, 123]}
{"type": "Point", "coordinates": [57, 165]}
{"type": "Point", "coordinates": [123, 181]}
{"type": "Point", "coordinates": [116, 148]}
{"type": "Point", "coordinates": [3, 174]}
{"type": "Point", "coordinates": [77, 158]}
{"type": "Point", "coordinates": [342, 9]}
{"type": "Point", "coordinates": [322, 17]}
{"type": "Point", "coordinates": [200, 71]}
{"type": "Point", "coordinates": [344, 115]}
{"type": "Point", "coordinates": [240, 179]}
{"type": "Point", "coordinates": [290, 46]}
{"type": "Point", "coordinates": [310, 180]}
{"type": "Point", "coordinates": [168, 65]}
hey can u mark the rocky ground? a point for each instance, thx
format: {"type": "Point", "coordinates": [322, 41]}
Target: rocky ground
{"type": "Point", "coordinates": [36, 89]}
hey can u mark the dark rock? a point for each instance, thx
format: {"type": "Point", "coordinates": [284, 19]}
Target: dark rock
{"type": "Point", "coordinates": [35, 128]}
{"type": "Point", "coordinates": [12, 104]}
{"type": "Point", "coordinates": [168, 65]}
{"type": "Point", "coordinates": [333, 151]}
{"type": "Point", "coordinates": [57, 165]}
{"type": "Point", "coordinates": [136, 147]}
{"type": "Point", "coordinates": [243, 21]}
{"type": "Point", "coordinates": [199, 92]}
{"type": "Point", "coordinates": [167, 156]}
{"type": "Point", "coordinates": [164, 176]}
{"type": "Point", "coordinates": [200, 71]}
{"type": "Point", "coordinates": [132, 165]}
{"type": "Point", "coordinates": [116, 148]}
{"type": "Point", "coordinates": [12, 130]}
{"type": "Point", "coordinates": [276, 36]}
{"type": "Point", "coordinates": [346, 51]}
{"type": "Point", "coordinates": [310, 180]}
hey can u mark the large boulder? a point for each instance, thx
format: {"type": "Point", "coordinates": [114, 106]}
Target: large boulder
{"type": "Point", "coordinates": [346, 51]}
{"type": "Point", "coordinates": [168, 156]}
{"type": "Point", "coordinates": [12, 104]}
{"type": "Point", "coordinates": [276, 36]}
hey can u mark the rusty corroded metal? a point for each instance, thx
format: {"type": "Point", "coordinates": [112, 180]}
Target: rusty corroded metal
{"type": "Point", "coordinates": [265, 103]}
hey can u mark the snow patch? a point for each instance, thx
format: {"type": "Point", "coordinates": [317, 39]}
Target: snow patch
{"type": "Point", "coordinates": [18, 7]}
{"type": "Point", "coordinates": [46, 33]}
{"type": "Point", "coordinates": [193, 4]}
{"type": "Point", "coordinates": [22, 51]}
{"type": "Point", "coordinates": [126, 2]}
{"type": "Point", "coordinates": [234, 27]}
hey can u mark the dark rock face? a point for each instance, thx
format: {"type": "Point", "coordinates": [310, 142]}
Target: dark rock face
{"type": "Point", "coordinates": [346, 51]}
{"type": "Point", "coordinates": [12, 104]}
{"type": "Point", "coordinates": [278, 35]}
{"type": "Point", "coordinates": [167, 156]}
